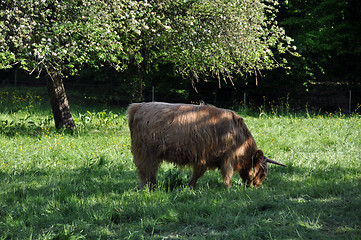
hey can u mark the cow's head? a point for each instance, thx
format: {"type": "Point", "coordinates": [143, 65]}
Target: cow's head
{"type": "Point", "coordinates": [257, 170]}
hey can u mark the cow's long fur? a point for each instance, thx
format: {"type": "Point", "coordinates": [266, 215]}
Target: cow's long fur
{"type": "Point", "coordinates": [201, 136]}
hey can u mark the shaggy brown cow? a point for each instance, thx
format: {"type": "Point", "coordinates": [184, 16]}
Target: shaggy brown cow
{"type": "Point", "coordinates": [202, 136]}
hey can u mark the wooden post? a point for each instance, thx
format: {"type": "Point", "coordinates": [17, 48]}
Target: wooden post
{"type": "Point", "coordinates": [244, 101]}
{"type": "Point", "coordinates": [152, 93]}
{"type": "Point", "coordinates": [15, 78]}
{"type": "Point", "coordinates": [349, 102]}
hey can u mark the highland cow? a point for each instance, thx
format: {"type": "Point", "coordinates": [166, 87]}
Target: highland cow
{"type": "Point", "coordinates": [201, 136]}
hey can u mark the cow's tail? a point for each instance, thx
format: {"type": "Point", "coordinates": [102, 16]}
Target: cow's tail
{"type": "Point", "coordinates": [132, 109]}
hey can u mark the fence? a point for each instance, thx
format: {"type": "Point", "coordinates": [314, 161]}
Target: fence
{"type": "Point", "coordinates": [330, 98]}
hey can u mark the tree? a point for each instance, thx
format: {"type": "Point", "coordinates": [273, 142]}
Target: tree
{"type": "Point", "coordinates": [212, 38]}
{"type": "Point", "coordinates": [58, 38]}
{"type": "Point", "coordinates": [221, 38]}
{"type": "Point", "coordinates": [200, 38]}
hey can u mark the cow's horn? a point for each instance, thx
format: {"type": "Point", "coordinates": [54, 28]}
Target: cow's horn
{"type": "Point", "coordinates": [274, 162]}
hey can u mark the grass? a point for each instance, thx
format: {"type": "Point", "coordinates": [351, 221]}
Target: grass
{"type": "Point", "coordinates": [55, 185]}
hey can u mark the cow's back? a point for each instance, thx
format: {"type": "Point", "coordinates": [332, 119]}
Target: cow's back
{"type": "Point", "coordinates": [181, 133]}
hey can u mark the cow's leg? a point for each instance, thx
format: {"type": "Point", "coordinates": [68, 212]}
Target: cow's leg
{"type": "Point", "coordinates": [147, 171]}
{"type": "Point", "coordinates": [147, 176]}
{"type": "Point", "coordinates": [198, 172]}
{"type": "Point", "coordinates": [142, 177]}
{"type": "Point", "coordinates": [152, 175]}
{"type": "Point", "coordinates": [227, 173]}
{"type": "Point", "coordinates": [141, 170]}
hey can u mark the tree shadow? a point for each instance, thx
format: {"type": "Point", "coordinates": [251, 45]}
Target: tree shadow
{"type": "Point", "coordinates": [321, 204]}
{"type": "Point", "coordinates": [43, 201]}
{"type": "Point", "coordinates": [90, 198]}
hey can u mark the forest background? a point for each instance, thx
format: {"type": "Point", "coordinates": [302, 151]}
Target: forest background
{"type": "Point", "coordinates": [321, 73]}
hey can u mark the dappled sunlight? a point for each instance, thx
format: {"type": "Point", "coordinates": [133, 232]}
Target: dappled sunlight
{"type": "Point", "coordinates": [200, 117]}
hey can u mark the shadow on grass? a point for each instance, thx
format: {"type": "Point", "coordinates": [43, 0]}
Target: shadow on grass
{"type": "Point", "coordinates": [41, 203]}
{"type": "Point", "coordinates": [22, 130]}
{"type": "Point", "coordinates": [34, 128]}
{"type": "Point", "coordinates": [103, 202]}
{"type": "Point", "coordinates": [323, 203]}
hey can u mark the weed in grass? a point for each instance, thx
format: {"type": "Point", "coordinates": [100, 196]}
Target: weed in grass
{"type": "Point", "coordinates": [173, 178]}
{"type": "Point", "coordinates": [67, 233]}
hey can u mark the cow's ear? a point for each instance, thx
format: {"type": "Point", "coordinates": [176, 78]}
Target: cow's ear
{"type": "Point", "coordinates": [238, 120]}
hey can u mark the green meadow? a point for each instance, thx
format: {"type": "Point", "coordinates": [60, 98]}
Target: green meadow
{"type": "Point", "coordinates": [83, 185]}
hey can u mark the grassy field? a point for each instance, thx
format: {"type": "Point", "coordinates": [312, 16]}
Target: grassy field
{"type": "Point", "coordinates": [55, 185]}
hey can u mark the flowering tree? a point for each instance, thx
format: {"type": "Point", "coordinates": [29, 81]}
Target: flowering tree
{"type": "Point", "coordinates": [203, 38]}
{"type": "Point", "coordinates": [220, 38]}
{"type": "Point", "coordinates": [199, 37]}
{"type": "Point", "coordinates": [58, 38]}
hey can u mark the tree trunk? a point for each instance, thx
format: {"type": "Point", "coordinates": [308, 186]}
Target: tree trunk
{"type": "Point", "coordinates": [59, 102]}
